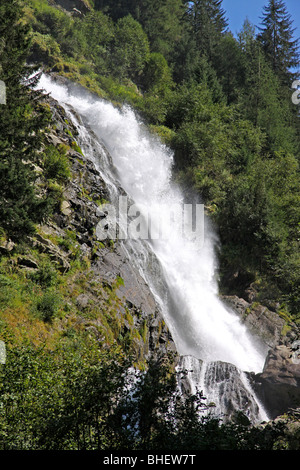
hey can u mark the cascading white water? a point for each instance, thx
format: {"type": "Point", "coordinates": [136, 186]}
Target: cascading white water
{"type": "Point", "coordinates": [180, 271]}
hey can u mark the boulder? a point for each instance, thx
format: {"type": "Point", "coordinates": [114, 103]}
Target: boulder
{"type": "Point", "coordinates": [283, 365]}
{"type": "Point", "coordinates": [83, 301]}
{"type": "Point", "coordinates": [6, 247]}
{"type": "Point", "coordinates": [278, 386]}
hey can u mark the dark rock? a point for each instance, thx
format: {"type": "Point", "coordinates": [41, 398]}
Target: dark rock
{"type": "Point", "coordinates": [27, 263]}
{"type": "Point", "coordinates": [222, 384]}
{"type": "Point", "coordinates": [80, 6]}
{"type": "Point", "coordinates": [279, 384]}
{"type": "Point", "coordinates": [116, 263]}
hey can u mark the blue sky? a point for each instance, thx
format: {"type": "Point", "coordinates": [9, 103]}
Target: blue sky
{"type": "Point", "coordinates": [238, 10]}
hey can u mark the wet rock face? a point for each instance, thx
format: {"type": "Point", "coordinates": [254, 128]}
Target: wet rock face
{"type": "Point", "coordinates": [278, 386]}
{"type": "Point", "coordinates": [224, 387]}
{"type": "Point", "coordinates": [136, 292]}
{"type": "Point", "coordinates": [231, 392]}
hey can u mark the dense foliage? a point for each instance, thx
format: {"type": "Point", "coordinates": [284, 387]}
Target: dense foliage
{"type": "Point", "coordinates": [86, 399]}
{"type": "Point", "coordinates": [224, 106]}
{"type": "Point", "coordinates": [22, 121]}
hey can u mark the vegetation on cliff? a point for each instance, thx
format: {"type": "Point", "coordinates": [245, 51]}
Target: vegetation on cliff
{"type": "Point", "coordinates": [224, 106]}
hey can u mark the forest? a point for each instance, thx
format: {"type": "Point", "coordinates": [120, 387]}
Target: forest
{"type": "Point", "coordinates": [223, 104]}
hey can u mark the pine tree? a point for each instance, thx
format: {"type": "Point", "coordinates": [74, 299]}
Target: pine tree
{"type": "Point", "coordinates": [22, 119]}
{"type": "Point", "coordinates": [277, 39]}
{"type": "Point", "coordinates": [208, 23]}
{"type": "Point", "coordinates": [161, 22]}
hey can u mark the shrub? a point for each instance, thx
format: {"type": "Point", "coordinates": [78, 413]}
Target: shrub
{"type": "Point", "coordinates": [46, 275]}
{"type": "Point", "coordinates": [44, 49]}
{"type": "Point", "coordinates": [56, 163]}
{"type": "Point", "coordinates": [47, 306]}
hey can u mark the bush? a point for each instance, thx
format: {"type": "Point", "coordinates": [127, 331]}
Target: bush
{"type": "Point", "coordinates": [47, 306]}
{"type": "Point", "coordinates": [44, 49]}
{"type": "Point", "coordinates": [46, 275]}
{"type": "Point", "coordinates": [56, 163]}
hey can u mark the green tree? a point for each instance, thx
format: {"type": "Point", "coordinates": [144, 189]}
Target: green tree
{"type": "Point", "coordinates": [162, 22]}
{"type": "Point", "coordinates": [185, 57]}
{"type": "Point", "coordinates": [229, 67]}
{"type": "Point", "coordinates": [157, 85]}
{"type": "Point", "coordinates": [77, 397]}
{"type": "Point", "coordinates": [208, 21]}
{"type": "Point", "coordinates": [119, 8]}
{"type": "Point", "coordinates": [50, 21]}
{"type": "Point", "coordinates": [21, 123]}
{"type": "Point", "coordinates": [98, 31]}
{"type": "Point", "coordinates": [259, 222]}
{"type": "Point", "coordinates": [264, 102]}
{"type": "Point", "coordinates": [247, 35]}
{"type": "Point", "coordinates": [130, 48]}
{"type": "Point", "coordinates": [277, 39]}
{"type": "Point", "coordinates": [157, 75]}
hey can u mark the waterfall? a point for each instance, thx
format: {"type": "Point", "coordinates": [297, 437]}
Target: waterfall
{"type": "Point", "coordinates": [179, 270]}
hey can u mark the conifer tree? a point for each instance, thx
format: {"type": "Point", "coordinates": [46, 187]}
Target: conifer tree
{"type": "Point", "coordinates": [161, 22]}
{"type": "Point", "coordinates": [208, 23]}
{"type": "Point", "coordinates": [21, 120]}
{"type": "Point", "coordinates": [277, 39]}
